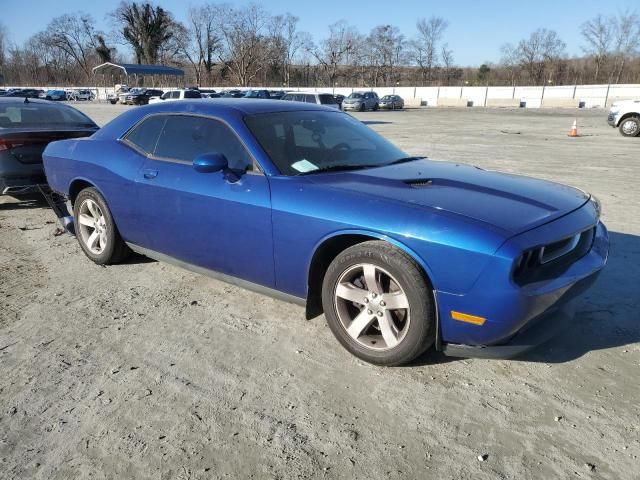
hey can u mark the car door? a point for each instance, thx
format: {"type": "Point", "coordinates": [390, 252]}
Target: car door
{"type": "Point", "coordinates": [218, 221]}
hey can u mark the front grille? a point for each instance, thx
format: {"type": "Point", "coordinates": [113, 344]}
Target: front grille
{"type": "Point", "coordinates": [548, 261]}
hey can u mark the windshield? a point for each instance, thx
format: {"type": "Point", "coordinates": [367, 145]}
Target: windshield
{"type": "Point", "coordinates": [252, 94]}
{"type": "Point", "coordinates": [355, 95]}
{"type": "Point", "coordinates": [302, 142]}
{"type": "Point", "coordinates": [387, 97]}
{"type": "Point", "coordinates": [42, 115]}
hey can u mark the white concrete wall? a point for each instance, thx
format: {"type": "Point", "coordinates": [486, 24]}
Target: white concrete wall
{"type": "Point", "coordinates": [593, 96]}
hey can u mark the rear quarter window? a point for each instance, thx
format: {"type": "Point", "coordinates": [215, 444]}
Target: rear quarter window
{"type": "Point", "coordinates": [145, 135]}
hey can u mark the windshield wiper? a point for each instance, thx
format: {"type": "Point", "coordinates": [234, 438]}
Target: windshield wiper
{"type": "Point", "coordinates": [338, 168]}
{"type": "Point", "coordinates": [404, 160]}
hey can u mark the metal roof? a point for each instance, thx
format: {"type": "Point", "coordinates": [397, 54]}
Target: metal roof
{"type": "Point", "coordinates": [135, 68]}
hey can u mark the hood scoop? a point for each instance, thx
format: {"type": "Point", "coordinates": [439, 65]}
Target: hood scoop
{"type": "Point", "coordinates": [419, 182]}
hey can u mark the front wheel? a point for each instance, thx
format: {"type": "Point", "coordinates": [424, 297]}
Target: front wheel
{"type": "Point", "coordinates": [378, 304]}
{"type": "Point", "coordinates": [95, 229]}
{"type": "Point", "coordinates": [630, 127]}
{"type": "Point", "coordinates": [375, 107]}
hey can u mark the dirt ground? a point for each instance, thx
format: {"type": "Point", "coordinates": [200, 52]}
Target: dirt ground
{"type": "Point", "coordinates": [144, 370]}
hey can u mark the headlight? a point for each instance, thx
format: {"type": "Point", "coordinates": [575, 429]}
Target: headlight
{"type": "Point", "coordinates": [596, 204]}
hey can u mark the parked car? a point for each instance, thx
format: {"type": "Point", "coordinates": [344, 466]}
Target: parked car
{"type": "Point", "coordinates": [361, 101]}
{"type": "Point", "coordinates": [277, 94]}
{"type": "Point", "coordinates": [264, 94]}
{"type": "Point", "coordinates": [122, 95]}
{"type": "Point", "coordinates": [57, 95]}
{"type": "Point", "coordinates": [26, 127]}
{"type": "Point", "coordinates": [208, 93]}
{"type": "Point", "coordinates": [391, 102]}
{"type": "Point", "coordinates": [307, 203]}
{"type": "Point", "coordinates": [141, 97]}
{"type": "Point", "coordinates": [173, 95]}
{"type": "Point", "coordinates": [317, 98]}
{"type": "Point", "coordinates": [119, 90]}
{"type": "Point", "coordinates": [233, 94]}
{"type": "Point", "coordinates": [625, 115]}
{"type": "Point", "coordinates": [82, 95]}
{"type": "Point", "coordinates": [24, 93]}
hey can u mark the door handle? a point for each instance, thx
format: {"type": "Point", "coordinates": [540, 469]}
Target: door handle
{"type": "Point", "coordinates": [150, 174]}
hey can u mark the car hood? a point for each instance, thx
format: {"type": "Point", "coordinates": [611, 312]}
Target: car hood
{"type": "Point", "coordinates": [511, 203]}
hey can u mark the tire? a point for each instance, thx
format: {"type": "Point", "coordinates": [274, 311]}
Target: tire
{"type": "Point", "coordinates": [630, 127]}
{"type": "Point", "coordinates": [376, 107]}
{"type": "Point", "coordinates": [363, 107]}
{"type": "Point", "coordinates": [108, 248]}
{"type": "Point", "coordinates": [351, 306]}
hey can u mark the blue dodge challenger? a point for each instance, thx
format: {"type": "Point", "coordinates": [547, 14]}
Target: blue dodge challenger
{"type": "Point", "coordinates": [308, 204]}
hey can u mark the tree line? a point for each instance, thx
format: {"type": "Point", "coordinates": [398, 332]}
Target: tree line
{"type": "Point", "coordinates": [219, 44]}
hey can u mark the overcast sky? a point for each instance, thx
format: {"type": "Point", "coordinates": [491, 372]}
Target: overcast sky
{"type": "Point", "coordinates": [476, 29]}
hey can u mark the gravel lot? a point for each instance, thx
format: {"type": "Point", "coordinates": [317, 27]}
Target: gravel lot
{"type": "Point", "coordinates": [144, 370]}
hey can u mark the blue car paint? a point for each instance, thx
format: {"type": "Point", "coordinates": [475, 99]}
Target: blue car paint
{"type": "Point", "coordinates": [465, 226]}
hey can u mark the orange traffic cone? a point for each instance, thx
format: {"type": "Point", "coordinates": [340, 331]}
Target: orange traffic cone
{"type": "Point", "coordinates": [574, 129]}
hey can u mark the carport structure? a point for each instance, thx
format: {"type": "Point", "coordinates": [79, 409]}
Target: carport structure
{"type": "Point", "coordinates": [126, 71]}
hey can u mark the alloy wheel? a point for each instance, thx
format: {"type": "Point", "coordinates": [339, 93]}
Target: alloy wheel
{"type": "Point", "coordinates": [372, 306]}
{"type": "Point", "coordinates": [93, 228]}
{"type": "Point", "coordinates": [630, 127]}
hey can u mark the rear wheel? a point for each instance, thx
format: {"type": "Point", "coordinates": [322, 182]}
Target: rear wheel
{"type": "Point", "coordinates": [378, 304]}
{"type": "Point", "coordinates": [95, 229]}
{"type": "Point", "coordinates": [630, 127]}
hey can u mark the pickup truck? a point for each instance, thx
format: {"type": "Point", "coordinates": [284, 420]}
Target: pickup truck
{"type": "Point", "coordinates": [172, 95]}
{"type": "Point", "coordinates": [625, 115]}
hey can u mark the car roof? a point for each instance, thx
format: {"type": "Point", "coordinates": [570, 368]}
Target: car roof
{"type": "Point", "coordinates": [31, 100]}
{"type": "Point", "coordinates": [225, 108]}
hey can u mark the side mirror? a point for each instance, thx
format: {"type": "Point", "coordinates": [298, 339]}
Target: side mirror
{"type": "Point", "coordinates": [210, 162]}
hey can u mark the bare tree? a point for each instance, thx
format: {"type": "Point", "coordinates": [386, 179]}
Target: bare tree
{"type": "Point", "coordinates": [448, 66]}
{"type": "Point", "coordinates": [245, 47]}
{"type": "Point", "coordinates": [336, 49]}
{"type": "Point", "coordinates": [424, 47]}
{"type": "Point", "coordinates": [3, 47]}
{"type": "Point", "coordinates": [510, 61]}
{"type": "Point", "coordinates": [540, 53]}
{"type": "Point", "coordinates": [287, 42]}
{"type": "Point", "coordinates": [145, 28]}
{"type": "Point", "coordinates": [627, 41]}
{"type": "Point", "coordinates": [77, 37]}
{"type": "Point", "coordinates": [598, 35]}
{"type": "Point", "coordinates": [385, 46]}
{"type": "Point", "coordinates": [199, 42]}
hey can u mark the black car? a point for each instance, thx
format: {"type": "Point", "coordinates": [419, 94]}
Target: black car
{"type": "Point", "coordinates": [277, 94]}
{"type": "Point", "coordinates": [339, 99]}
{"type": "Point", "coordinates": [26, 127]}
{"type": "Point", "coordinates": [24, 93]}
{"type": "Point", "coordinates": [233, 94]}
{"type": "Point", "coordinates": [142, 97]}
{"type": "Point", "coordinates": [209, 93]}
{"type": "Point", "coordinates": [264, 94]}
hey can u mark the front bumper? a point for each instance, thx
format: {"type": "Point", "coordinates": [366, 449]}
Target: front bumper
{"type": "Point", "coordinates": [536, 332]}
{"type": "Point", "coordinates": [351, 106]}
{"type": "Point", "coordinates": [509, 309]}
